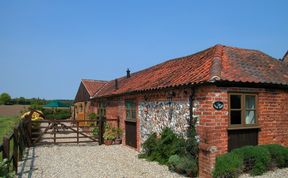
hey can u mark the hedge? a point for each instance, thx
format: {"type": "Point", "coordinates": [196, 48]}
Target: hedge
{"type": "Point", "coordinates": [255, 160]}
{"type": "Point", "coordinates": [172, 150]}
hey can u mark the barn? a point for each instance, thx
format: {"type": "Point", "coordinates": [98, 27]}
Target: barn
{"type": "Point", "coordinates": [83, 104]}
{"type": "Point", "coordinates": [238, 97]}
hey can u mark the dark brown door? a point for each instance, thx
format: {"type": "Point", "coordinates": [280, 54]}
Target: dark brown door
{"type": "Point", "coordinates": [240, 138]}
{"type": "Point", "coordinates": [130, 131]}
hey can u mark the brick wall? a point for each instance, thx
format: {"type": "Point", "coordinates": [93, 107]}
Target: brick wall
{"type": "Point", "coordinates": [273, 117]}
{"type": "Point", "coordinates": [212, 124]}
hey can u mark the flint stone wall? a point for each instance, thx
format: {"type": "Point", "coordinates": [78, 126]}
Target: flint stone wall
{"type": "Point", "coordinates": [156, 115]}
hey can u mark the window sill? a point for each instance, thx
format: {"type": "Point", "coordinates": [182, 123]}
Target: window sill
{"type": "Point", "coordinates": [129, 121]}
{"type": "Point", "coordinates": [244, 128]}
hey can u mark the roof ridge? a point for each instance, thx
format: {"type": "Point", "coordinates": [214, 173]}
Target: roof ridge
{"type": "Point", "coordinates": [216, 67]}
{"type": "Point", "coordinates": [104, 81]}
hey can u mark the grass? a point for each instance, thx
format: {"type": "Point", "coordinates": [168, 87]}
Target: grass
{"type": "Point", "coordinates": [6, 125]}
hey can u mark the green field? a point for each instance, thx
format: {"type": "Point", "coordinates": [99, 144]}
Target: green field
{"type": "Point", "coordinates": [6, 125]}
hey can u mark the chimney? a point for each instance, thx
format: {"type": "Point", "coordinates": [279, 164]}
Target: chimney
{"type": "Point", "coordinates": [116, 84]}
{"type": "Point", "coordinates": [128, 73]}
{"type": "Point", "coordinates": [285, 58]}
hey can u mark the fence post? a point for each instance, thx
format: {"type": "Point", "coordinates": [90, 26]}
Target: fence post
{"type": "Point", "coordinates": [15, 150]}
{"type": "Point", "coordinates": [77, 131]}
{"type": "Point", "coordinates": [101, 130]}
{"type": "Point", "coordinates": [6, 148]}
{"type": "Point", "coordinates": [54, 130]}
{"type": "Point", "coordinates": [21, 138]}
{"type": "Point", "coordinates": [29, 130]}
{"type": "Point", "coordinates": [6, 145]}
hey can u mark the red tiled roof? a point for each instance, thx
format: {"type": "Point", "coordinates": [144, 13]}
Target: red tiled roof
{"type": "Point", "coordinates": [218, 63]}
{"type": "Point", "coordinates": [93, 86]}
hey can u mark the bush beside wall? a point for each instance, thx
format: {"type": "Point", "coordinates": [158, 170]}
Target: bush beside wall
{"type": "Point", "coordinates": [172, 150]}
{"type": "Point", "coordinates": [255, 160]}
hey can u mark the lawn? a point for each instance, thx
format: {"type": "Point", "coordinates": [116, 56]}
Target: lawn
{"type": "Point", "coordinates": [6, 125]}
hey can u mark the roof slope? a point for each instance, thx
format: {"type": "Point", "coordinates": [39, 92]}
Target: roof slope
{"type": "Point", "coordinates": [243, 65]}
{"type": "Point", "coordinates": [218, 63]}
{"type": "Point", "coordinates": [87, 89]}
{"type": "Point", "coordinates": [93, 86]}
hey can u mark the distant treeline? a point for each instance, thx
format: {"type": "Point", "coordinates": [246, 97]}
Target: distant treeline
{"type": "Point", "coordinates": [6, 99]}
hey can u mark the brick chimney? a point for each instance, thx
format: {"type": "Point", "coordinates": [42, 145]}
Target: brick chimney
{"type": "Point", "coordinates": [128, 73]}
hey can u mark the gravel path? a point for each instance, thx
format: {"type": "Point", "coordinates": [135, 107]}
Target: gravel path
{"type": "Point", "coordinates": [89, 161]}
{"type": "Point", "coordinates": [279, 173]}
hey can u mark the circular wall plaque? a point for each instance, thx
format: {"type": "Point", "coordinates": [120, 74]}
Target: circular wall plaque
{"type": "Point", "coordinates": [218, 105]}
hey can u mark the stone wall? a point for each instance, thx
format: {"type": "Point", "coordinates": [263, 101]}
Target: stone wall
{"type": "Point", "coordinates": [156, 115]}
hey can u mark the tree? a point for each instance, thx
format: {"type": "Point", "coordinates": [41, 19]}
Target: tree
{"type": "Point", "coordinates": [5, 98]}
{"type": "Point", "coordinates": [21, 100]}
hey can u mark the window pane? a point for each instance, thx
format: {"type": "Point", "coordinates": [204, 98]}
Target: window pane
{"type": "Point", "coordinates": [134, 115]}
{"type": "Point", "coordinates": [128, 114]}
{"type": "Point", "coordinates": [235, 117]}
{"type": "Point", "coordinates": [127, 104]}
{"type": "Point", "coordinates": [250, 102]}
{"type": "Point", "coordinates": [250, 117]}
{"type": "Point", "coordinates": [235, 101]}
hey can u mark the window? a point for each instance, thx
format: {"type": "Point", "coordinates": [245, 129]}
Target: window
{"type": "Point", "coordinates": [130, 110]}
{"type": "Point", "coordinates": [242, 110]}
{"type": "Point", "coordinates": [101, 109]}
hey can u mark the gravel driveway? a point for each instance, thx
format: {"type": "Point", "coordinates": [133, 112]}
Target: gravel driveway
{"type": "Point", "coordinates": [278, 173]}
{"type": "Point", "coordinates": [88, 161]}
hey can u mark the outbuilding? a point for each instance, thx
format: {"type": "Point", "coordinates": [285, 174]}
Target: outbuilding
{"type": "Point", "coordinates": [82, 102]}
{"type": "Point", "coordinates": [238, 97]}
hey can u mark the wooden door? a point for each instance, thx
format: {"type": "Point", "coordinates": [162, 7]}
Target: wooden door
{"type": "Point", "coordinates": [131, 123]}
{"type": "Point", "coordinates": [130, 130]}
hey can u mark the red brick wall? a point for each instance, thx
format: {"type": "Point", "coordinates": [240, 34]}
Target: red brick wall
{"type": "Point", "coordinates": [212, 126]}
{"type": "Point", "coordinates": [273, 117]}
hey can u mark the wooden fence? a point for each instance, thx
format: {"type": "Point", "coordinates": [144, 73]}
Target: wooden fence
{"type": "Point", "coordinates": [12, 147]}
{"type": "Point", "coordinates": [23, 136]}
{"type": "Point", "coordinates": [59, 128]}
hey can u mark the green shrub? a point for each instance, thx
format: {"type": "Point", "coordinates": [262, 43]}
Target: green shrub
{"type": "Point", "coordinates": [4, 172]}
{"type": "Point", "coordinates": [170, 144]}
{"type": "Point", "coordinates": [228, 165]}
{"type": "Point", "coordinates": [160, 149]}
{"type": "Point", "coordinates": [170, 149]}
{"type": "Point", "coordinates": [279, 155]}
{"type": "Point", "coordinates": [95, 131]}
{"type": "Point", "coordinates": [191, 142]}
{"type": "Point", "coordinates": [256, 159]}
{"type": "Point", "coordinates": [253, 159]}
{"type": "Point", "coordinates": [173, 161]}
{"type": "Point", "coordinates": [188, 166]}
{"type": "Point", "coordinates": [92, 116]}
{"type": "Point", "coordinates": [150, 145]}
{"type": "Point", "coordinates": [58, 114]}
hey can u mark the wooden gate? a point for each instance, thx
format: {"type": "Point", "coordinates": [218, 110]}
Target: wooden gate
{"type": "Point", "coordinates": [66, 131]}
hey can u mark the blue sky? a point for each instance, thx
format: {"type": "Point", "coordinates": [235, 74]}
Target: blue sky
{"type": "Point", "coordinates": [46, 47]}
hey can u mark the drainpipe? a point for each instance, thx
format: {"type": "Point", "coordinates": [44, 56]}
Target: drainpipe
{"type": "Point", "coordinates": [191, 97]}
